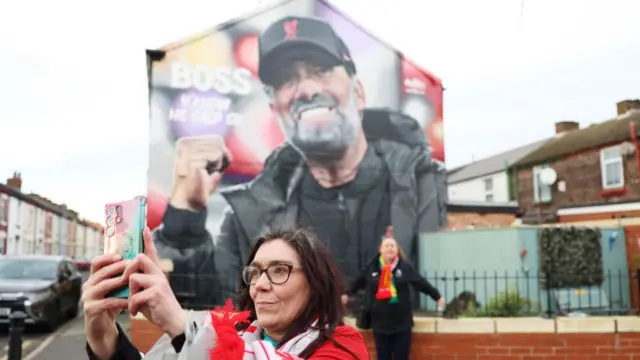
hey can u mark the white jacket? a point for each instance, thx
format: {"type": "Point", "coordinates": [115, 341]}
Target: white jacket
{"type": "Point", "coordinates": [201, 337]}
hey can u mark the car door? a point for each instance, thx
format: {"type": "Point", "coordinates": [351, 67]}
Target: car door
{"type": "Point", "coordinates": [64, 286]}
{"type": "Point", "coordinates": [58, 287]}
{"type": "Point", "coordinates": [76, 283]}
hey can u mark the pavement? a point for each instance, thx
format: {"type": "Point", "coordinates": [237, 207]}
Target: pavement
{"type": "Point", "coordinates": [31, 339]}
{"type": "Point", "coordinates": [69, 341]}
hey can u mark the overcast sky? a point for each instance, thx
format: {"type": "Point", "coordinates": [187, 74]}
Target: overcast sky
{"type": "Point", "coordinates": [74, 116]}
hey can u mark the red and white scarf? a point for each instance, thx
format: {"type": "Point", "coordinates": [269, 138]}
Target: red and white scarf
{"type": "Point", "coordinates": [217, 339]}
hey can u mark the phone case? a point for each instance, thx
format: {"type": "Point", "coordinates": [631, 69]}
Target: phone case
{"type": "Point", "coordinates": [124, 223]}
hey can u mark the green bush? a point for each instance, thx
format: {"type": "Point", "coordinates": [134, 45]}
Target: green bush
{"type": "Point", "coordinates": [507, 304]}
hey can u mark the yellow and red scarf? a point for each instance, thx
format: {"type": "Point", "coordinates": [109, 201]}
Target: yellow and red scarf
{"type": "Point", "coordinates": [387, 284]}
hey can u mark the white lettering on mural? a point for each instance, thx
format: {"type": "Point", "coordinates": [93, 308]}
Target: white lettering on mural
{"type": "Point", "coordinates": [415, 84]}
{"type": "Point", "coordinates": [223, 79]}
{"type": "Point", "coordinates": [196, 109]}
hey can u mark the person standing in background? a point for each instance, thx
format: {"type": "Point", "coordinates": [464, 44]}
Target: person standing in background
{"type": "Point", "coordinates": [387, 299]}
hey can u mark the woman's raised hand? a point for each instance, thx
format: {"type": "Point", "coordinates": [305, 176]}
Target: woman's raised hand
{"type": "Point", "coordinates": [150, 292]}
{"type": "Point", "coordinates": [100, 312]}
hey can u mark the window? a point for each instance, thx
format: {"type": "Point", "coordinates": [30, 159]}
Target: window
{"type": "Point", "coordinates": [611, 168]}
{"type": "Point", "coordinates": [541, 192]}
{"type": "Point", "coordinates": [488, 184]}
{"type": "Point", "coordinates": [70, 268]}
{"type": "Point", "coordinates": [488, 189]}
{"type": "Point", "coordinates": [28, 269]}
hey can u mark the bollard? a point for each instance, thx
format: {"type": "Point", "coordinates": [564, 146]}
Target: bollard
{"type": "Point", "coordinates": [16, 323]}
{"type": "Point", "coordinates": [16, 328]}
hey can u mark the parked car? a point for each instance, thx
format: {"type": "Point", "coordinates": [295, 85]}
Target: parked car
{"type": "Point", "coordinates": [82, 263]}
{"type": "Point", "coordinates": [47, 288]}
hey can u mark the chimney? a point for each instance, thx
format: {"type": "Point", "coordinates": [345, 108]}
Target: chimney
{"type": "Point", "coordinates": [626, 105]}
{"type": "Point", "coordinates": [15, 181]}
{"type": "Point", "coordinates": [564, 126]}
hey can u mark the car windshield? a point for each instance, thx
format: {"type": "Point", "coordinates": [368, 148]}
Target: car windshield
{"type": "Point", "coordinates": [45, 269]}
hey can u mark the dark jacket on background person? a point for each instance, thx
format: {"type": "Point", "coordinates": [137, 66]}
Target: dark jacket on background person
{"type": "Point", "coordinates": [417, 200]}
{"type": "Point", "coordinates": [391, 318]}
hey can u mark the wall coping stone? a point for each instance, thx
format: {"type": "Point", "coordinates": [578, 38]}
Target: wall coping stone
{"type": "Point", "coordinates": [518, 325]}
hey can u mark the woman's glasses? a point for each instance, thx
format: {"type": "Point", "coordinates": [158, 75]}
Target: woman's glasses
{"type": "Point", "coordinates": [277, 274]}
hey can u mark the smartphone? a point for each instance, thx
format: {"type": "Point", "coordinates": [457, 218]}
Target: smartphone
{"type": "Point", "coordinates": [124, 224]}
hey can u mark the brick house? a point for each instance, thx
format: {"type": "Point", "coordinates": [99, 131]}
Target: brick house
{"type": "Point", "coordinates": [583, 174]}
{"type": "Point", "coordinates": [467, 214]}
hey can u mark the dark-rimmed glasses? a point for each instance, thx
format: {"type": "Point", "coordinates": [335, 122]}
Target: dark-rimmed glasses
{"type": "Point", "coordinates": [277, 274]}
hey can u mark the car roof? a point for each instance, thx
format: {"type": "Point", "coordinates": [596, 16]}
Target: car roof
{"type": "Point", "coordinates": [37, 257]}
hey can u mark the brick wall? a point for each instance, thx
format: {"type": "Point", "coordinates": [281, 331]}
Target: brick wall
{"type": "Point", "coordinates": [582, 175]}
{"type": "Point", "coordinates": [479, 220]}
{"type": "Point", "coordinates": [522, 346]}
{"type": "Point", "coordinates": [593, 338]}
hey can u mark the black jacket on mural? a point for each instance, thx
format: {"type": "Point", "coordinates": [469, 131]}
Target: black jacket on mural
{"type": "Point", "coordinates": [417, 189]}
{"type": "Point", "coordinates": [389, 318]}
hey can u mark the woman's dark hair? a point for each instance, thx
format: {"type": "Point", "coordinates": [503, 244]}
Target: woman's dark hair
{"type": "Point", "coordinates": [324, 280]}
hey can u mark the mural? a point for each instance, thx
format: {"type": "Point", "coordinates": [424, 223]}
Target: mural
{"type": "Point", "coordinates": [323, 125]}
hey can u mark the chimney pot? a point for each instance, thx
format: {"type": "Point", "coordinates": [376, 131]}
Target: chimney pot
{"type": "Point", "coordinates": [15, 181]}
{"type": "Point", "coordinates": [626, 105]}
{"type": "Point", "coordinates": [564, 126]}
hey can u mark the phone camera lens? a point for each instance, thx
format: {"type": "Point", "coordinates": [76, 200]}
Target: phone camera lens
{"type": "Point", "coordinates": [110, 231]}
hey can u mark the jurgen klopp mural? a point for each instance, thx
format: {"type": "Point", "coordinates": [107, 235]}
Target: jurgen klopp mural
{"type": "Point", "coordinates": [291, 117]}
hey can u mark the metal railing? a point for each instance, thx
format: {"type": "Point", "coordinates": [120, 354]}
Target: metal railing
{"type": "Point", "coordinates": [525, 293]}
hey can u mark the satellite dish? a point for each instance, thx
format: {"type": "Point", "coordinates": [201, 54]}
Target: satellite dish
{"type": "Point", "coordinates": [548, 176]}
{"type": "Point", "coordinates": [626, 148]}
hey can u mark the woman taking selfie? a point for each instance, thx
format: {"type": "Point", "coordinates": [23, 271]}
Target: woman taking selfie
{"type": "Point", "coordinates": [289, 308]}
{"type": "Point", "coordinates": [387, 307]}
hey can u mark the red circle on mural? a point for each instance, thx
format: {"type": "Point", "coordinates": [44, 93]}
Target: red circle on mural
{"type": "Point", "coordinates": [156, 206]}
{"type": "Point", "coordinates": [435, 134]}
{"type": "Point", "coordinates": [245, 52]}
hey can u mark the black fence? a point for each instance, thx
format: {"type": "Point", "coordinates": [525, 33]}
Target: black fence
{"type": "Point", "coordinates": [527, 293]}
{"type": "Point", "coordinates": [472, 293]}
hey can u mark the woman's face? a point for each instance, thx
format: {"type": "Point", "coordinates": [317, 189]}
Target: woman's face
{"type": "Point", "coordinates": [278, 305]}
{"type": "Point", "coordinates": [389, 249]}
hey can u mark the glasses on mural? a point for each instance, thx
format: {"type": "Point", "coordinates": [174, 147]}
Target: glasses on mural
{"type": "Point", "coordinates": [277, 274]}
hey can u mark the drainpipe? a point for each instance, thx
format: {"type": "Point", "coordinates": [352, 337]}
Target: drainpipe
{"type": "Point", "coordinates": [507, 170]}
{"type": "Point", "coordinates": [632, 131]}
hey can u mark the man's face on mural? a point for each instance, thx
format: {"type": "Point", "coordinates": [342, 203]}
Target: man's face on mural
{"type": "Point", "coordinates": [318, 106]}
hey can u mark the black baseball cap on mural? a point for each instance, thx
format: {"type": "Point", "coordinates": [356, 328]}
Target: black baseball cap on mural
{"type": "Point", "coordinates": [296, 33]}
